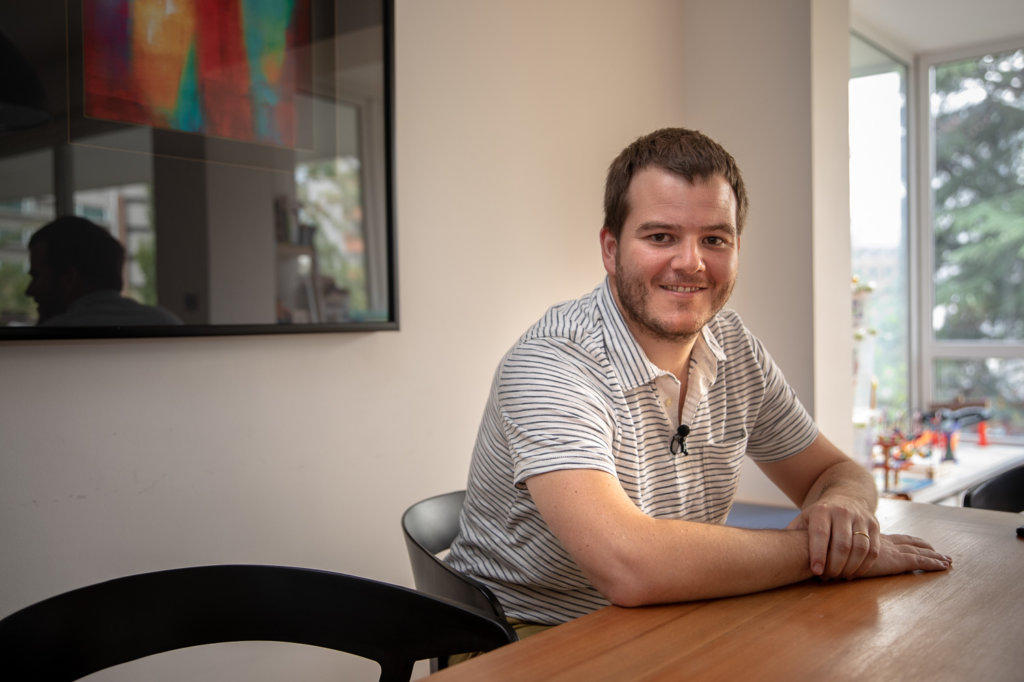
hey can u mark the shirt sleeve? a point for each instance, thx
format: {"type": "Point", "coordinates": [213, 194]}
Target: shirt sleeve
{"type": "Point", "coordinates": [782, 427]}
{"type": "Point", "coordinates": [552, 411]}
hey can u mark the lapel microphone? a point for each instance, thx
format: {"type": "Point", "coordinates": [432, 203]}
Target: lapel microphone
{"type": "Point", "coordinates": [678, 443]}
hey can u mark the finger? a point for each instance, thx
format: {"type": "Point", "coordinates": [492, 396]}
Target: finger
{"type": "Point", "coordinates": [862, 554]}
{"type": "Point", "coordinates": [818, 541]}
{"type": "Point", "coordinates": [847, 549]}
{"type": "Point", "coordinates": [874, 548]}
{"type": "Point", "coordinates": [911, 540]}
{"type": "Point", "coordinates": [909, 544]}
{"type": "Point", "coordinates": [921, 559]}
{"type": "Point", "coordinates": [905, 553]}
{"type": "Point", "coordinates": [854, 547]}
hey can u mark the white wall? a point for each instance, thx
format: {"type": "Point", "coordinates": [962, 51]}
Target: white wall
{"type": "Point", "coordinates": [125, 456]}
{"type": "Point", "coordinates": [772, 89]}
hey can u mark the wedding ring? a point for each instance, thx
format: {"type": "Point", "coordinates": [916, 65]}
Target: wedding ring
{"type": "Point", "coordinates": [860, 532]}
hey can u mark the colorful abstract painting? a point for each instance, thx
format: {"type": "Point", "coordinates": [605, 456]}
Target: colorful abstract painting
{"type": "Point", "coordinates": [224, 68]}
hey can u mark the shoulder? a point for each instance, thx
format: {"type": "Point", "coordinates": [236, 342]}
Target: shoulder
{"type": "Point", "coordinates": [728, 330]}
{"type": "Point", "coordinates": [743, 352]}
{"type": "Point", "coordinates": [573, 321]}
{"type": "Point", "coordinates": [571, 329]}
{"type": "Point", "coordinates": [565, 346]}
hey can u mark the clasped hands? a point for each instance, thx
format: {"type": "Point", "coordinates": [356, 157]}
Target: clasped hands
{"type": "Point", "coordinates": [844, 541]}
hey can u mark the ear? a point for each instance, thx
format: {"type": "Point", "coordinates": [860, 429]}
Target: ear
{"type": "Point", "coordinates": [609, 248]}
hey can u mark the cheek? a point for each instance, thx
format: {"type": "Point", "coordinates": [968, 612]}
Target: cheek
{"type": "Point", "coordinates": [724, 267]}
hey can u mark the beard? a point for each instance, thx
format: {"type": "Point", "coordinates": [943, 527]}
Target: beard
{"type": "Point", "coordinates": [634, 298]}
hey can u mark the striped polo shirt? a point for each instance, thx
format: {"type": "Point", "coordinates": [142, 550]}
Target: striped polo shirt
{"type": "Point", "coordinates": [577, 392]}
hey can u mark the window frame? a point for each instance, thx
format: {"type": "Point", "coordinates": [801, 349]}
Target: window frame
{"type": "Point", "coordinates": [925, 348]}
{"type": "Point", "coordinates": [868, 36]}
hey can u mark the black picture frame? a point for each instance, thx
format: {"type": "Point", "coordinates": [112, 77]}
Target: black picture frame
{"type": "Point", "coordinates": [70, 133]}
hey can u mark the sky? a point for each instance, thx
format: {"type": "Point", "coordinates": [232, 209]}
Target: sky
{"type": "Point", "coordinates": [877, 186]}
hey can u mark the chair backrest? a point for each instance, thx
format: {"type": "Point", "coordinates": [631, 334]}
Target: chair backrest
{"type": "Point", "coordinates": [82, 631]}
{"type": "Point", "coordinates": [430, 526]}
{"type": "Point", "coordinates": [1004, 492]}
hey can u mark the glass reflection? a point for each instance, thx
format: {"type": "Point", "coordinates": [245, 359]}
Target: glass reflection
{"type": "Point", "coordinates": [247, 199]}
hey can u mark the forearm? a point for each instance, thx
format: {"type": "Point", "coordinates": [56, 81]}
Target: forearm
{"type": "Point", "coordinates": [669, 561]}
{"type": "Point", "coordinates": [845, 479]}
{"type": "Point", "coordinates": [634, 559]}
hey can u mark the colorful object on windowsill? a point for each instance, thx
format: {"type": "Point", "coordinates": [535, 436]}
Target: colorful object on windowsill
{"type": "Point", "coordinates": [949, 422]}
{"type": "Point", "coordinates": [933, 443]}
{"type": "Point", "coordinates": [898, 452]}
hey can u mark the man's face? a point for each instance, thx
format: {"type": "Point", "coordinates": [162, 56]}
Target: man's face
{"type": "Point", "coordinates": [49, 290]}
{"type": "Point", "coordinates": [675, 263]}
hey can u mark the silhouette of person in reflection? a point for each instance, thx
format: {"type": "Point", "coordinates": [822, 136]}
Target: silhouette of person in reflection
{"type": "Point", "coordinates": [76, 267]}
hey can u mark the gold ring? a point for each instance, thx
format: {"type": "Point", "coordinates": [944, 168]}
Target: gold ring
{"type": "Point", "coordinates": [860, 532]}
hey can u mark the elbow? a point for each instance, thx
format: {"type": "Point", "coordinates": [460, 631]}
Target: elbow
{"type": "Point", "coordinates": [626, 596]}
{"type": "Point", "coordinates": [624, 586]}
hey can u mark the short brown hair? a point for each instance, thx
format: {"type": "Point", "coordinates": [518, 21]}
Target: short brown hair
{"type": "Point", "coordinates": [76, 242]}
{"type": "Point", "coordinates": [687, 153]}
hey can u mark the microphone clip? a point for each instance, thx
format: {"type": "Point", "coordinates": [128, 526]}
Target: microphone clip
{"type": "Point", "coordinates": [678, 443]}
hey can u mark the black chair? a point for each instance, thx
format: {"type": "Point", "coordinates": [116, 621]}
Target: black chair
{"type": "Point", "coordinates": [82, 631]}
{"type": "Point", "coordinates": [1004, 492]}
{"type": "Point", "coordinates": [430, 526]}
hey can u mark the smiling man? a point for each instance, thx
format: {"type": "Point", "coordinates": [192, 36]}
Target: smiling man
{"type": "Point", "coordinates": [610, 447]}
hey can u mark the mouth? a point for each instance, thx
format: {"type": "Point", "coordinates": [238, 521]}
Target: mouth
{"type": "Point", "coordinates": [679, 289]}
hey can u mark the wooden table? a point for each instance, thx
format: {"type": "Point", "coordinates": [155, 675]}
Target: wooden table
{"type": "Point", "coordinates": [963, 624]}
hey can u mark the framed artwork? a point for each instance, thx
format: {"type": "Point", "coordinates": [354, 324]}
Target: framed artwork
{"type": "Point", "coordinates": [241, 150]}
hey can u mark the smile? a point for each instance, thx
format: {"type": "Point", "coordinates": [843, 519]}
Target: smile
{"type": "Point", "coordinates": [681, 289]}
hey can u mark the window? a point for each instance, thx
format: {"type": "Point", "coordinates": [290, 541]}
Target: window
{"type": "Point", "coordinates": [972, 309]}
{"type": "Point", "coordinates": [939, 292]}
{"type": "Point", "coordinates": [879, 230]}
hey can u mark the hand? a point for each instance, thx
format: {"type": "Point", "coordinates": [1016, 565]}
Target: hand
{"type": "Point", "coordinates": [906, 553]}
{"type": "Point", "coordinates": [843, 536]}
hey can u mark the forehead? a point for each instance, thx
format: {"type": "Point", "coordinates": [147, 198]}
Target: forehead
{"type": "Point", "coordinates": [657, 194]}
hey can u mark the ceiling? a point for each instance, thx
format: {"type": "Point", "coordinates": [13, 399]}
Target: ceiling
{"type": "Point", "coordinates": [923, 26]}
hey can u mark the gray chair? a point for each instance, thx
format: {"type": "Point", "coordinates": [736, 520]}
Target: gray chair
{"type": "Point", "coordinates": [76, 633]}
{"type": "Point", "coordinates": [430, 526]}
{"type": "Point", "coordinates": [1004, 492]}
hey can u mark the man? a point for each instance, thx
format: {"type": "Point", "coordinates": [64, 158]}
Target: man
{"type": "Point", "coordinates": [76, 266]}
{"type": "Point", "coordinates": [610, 447]}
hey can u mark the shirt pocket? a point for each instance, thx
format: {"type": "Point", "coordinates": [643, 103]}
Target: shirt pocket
{"type": "Point", "coordinates": [722, 461]}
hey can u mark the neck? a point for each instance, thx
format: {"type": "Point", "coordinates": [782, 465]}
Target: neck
{"type": "Point", "coordinates": [669, 352]}
{"type": "Point", "coordinates": [670, 355]}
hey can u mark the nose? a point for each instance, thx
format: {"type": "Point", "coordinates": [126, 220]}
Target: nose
{"type": "Point", "coordinates": [688, 256]}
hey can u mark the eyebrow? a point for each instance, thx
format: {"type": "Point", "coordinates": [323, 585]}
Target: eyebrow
{"type": "Point", "coordinates": [654, 225]}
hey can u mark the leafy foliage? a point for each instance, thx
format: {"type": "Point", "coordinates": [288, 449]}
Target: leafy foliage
{"type": "Point", "coordinates": [978, 185]}
{"type": "Point", "coordinates": [979, 198]}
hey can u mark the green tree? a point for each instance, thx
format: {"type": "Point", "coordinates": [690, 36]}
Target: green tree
{"type": "Point", "coordinates": [14, 304]}
{"type": "Point", "coordinates": [979, 227]}
{"type": "Point", "coordinates": [979, 198]}
{"type": "Point", "coordinates": [145, 257]}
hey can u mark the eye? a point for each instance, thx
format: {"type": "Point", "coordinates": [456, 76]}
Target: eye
{"type": "Point", "coordinates": [660, 237]}
{"type": "Point", "coordinates": [714, 240]}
